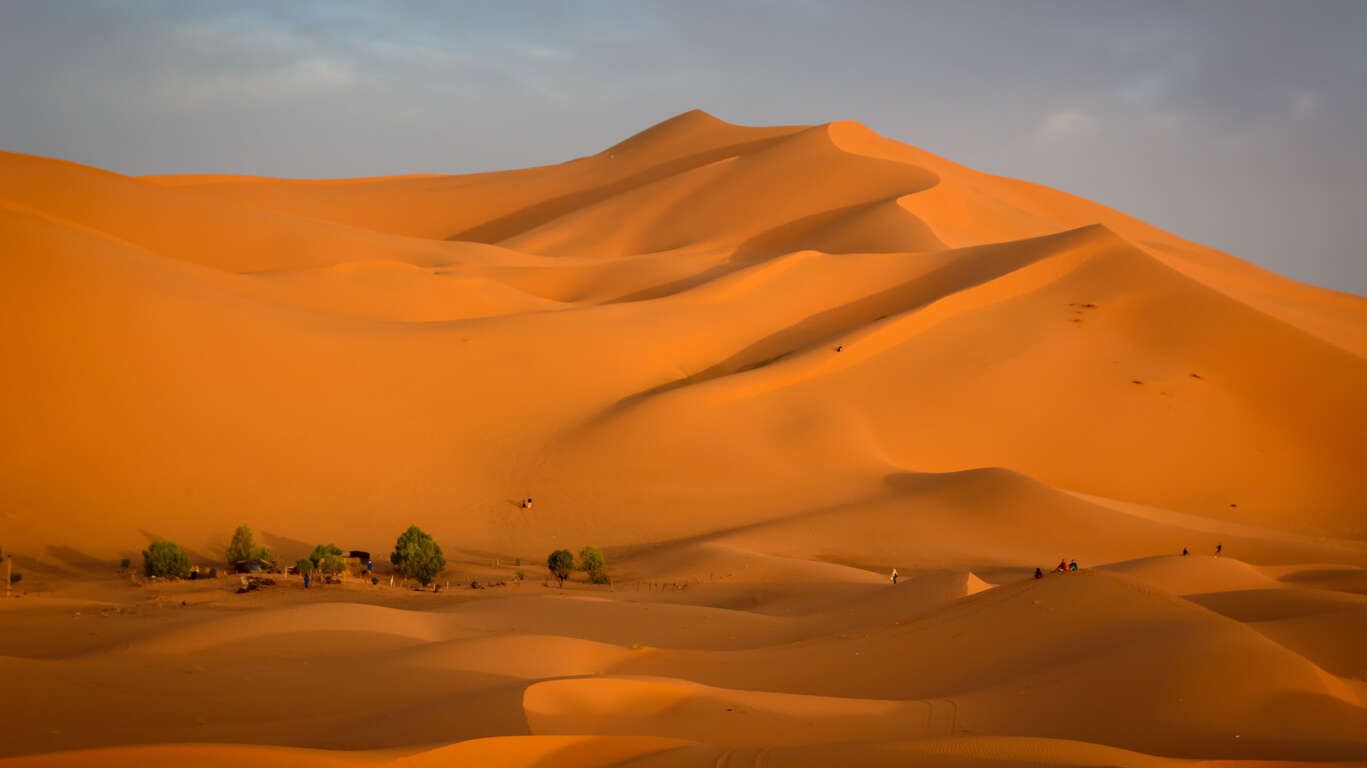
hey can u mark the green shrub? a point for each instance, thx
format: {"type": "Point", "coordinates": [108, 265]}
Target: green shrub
{"type": "Point", "coordinates": [417, 555]}
{"type": "Point", "coordinates": [560, 562]}
{"type": "Point", "coordinates": [165, 558]}
{"type": "Point", "coordinates": [374, 580]}
{"type": "Point", "coordinates": [322, 551]}
{"type": "Point", "coordinates": [15, 578]}
{"type": "Point", "coordinates": [125, 563]}
{"type": "Point", "coordinates": [243, 553]}
{"type": "Point", "coordinates": [304, 565]}
{"type": "Point", "coordinates": [521, 576]}
{"type": "Point", "coordinates": [591, 559]}
{"type": "Point", "coordinates": [331, 564]}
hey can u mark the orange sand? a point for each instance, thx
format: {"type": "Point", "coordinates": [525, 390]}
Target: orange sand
{"type": "Point", "coordinates": [760, 367]}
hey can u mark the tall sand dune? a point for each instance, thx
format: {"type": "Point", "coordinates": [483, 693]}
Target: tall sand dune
{"type": "Point", "coordinates": [761, 367]}
{"type": "Point", "coordinates": [667, 311]}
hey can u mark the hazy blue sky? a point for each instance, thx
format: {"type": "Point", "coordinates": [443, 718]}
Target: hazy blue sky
{"type": "Point", "coordinates": [1241, 124]}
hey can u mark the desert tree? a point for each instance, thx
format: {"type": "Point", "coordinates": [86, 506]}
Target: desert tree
{"type": "Point", "coordinates": [417, 555]}
{"type": "Point", "coordinates": [592, 562]}
{"type": "Point", "coordinates": [560, 563]}
{"type": "Point", "coordinates": [327, 558]}
{"type": "Point", "coordinates": [243, 553]}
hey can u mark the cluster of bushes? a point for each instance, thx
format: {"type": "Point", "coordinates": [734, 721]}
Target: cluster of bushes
{"type": "Point", "coordinates": [325, 559]}
{"type": "Point", "coordinates": [416, 555]}
{"type": "Point", "coordinates": [591, 561]}
{"type": "Point", "coordinates": [165, 558]}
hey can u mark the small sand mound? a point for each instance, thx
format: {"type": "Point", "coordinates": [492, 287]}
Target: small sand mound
{"type": "Point", "coordinates": [315, 620]}
{"type": "Point", "coordinates": [1193, 574]}
{"type": "Point", "coordinates": [684, 710]}
{"type": "Point", "coordinates": [527, 657]}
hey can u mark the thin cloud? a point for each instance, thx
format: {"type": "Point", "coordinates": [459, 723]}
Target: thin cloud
{"type": "Point", "coordinates": [1067, 125]}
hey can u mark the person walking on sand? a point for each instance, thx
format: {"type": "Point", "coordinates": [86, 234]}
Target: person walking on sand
{"type": "Point", "coordinates": [1062, 566]}
{"type": "Point", "coordinates": [1218, 549]}
{"type": "Point", "coordinates": [1072, 565]}
{"type": "Point", "coordinates": [894, 577]}
{"type": "Point", "coordinates": [1039, 574]}
{"type": "Point", "coordinates": [526, 503]}
{"type": "Point", "coordinates": [1184, 552]}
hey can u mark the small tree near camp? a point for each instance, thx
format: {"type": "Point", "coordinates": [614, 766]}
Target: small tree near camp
{"type": "Point", "coordinates": [417, 555]}
{"type": "Point", "coordinates": [304, 566]}
{"type": "Point", "coordinates": [591, 560]}
{"type": "Point", "coordinates": [243, 553]}
{"type": "Point", "coordinates": [327, 558]}
{"type": "Point", "coordinates": [165, 558]}
{"type": "Point", "coordinates": [560, 562]}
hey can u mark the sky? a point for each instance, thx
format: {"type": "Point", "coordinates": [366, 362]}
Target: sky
{"type": "Point", "coordinates": [1241, 124]}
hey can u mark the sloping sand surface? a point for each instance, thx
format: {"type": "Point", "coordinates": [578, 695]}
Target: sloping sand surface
{"type": "Point", "coordinates": [761, 367]}
{"type": "Point", "coordinates": [1193, 575]}
{"type": "Point", "coordinates": [679, 709]}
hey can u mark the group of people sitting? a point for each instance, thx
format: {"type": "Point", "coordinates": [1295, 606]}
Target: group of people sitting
{"type": "Point", "coordinates": [1064, 565]}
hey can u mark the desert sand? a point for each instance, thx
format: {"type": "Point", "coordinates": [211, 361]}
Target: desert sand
{"type": "Point", "coordinates": [760, 367]}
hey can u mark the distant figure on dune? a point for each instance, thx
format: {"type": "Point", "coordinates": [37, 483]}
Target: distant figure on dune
{"type": "Point", "coordinates": [1039, 574]}
{"type": "Point", "coordinates": [842, 346]}
{"type": "Point", "coordinates": [894, 576]}
{"type": "Point", "coordinates": [1062, 566]}
{"type": "Point", "coordinates": [1072, 565]}
{"type": "Point", "coordinates": [526, 503]}
{"type": "Point", "coordinates": [1218, 549]}
{"type": "Point", "coordinates": [1184, 552]}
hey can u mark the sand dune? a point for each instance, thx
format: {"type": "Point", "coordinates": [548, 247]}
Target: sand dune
{"type": "Point", "coordinates": [678, 709]}
{"type": "Point", "coordinates": [1189, 576]}
{"type": "Point", "coordinates": [761, 367]}
{"type": "Point", "coordinates": [691, 204]}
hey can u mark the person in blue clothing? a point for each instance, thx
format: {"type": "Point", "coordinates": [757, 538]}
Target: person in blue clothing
{"type": "Point", "coordinates": [369, 566]}
{"type": "Point", "coordinates": [306, 581]}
